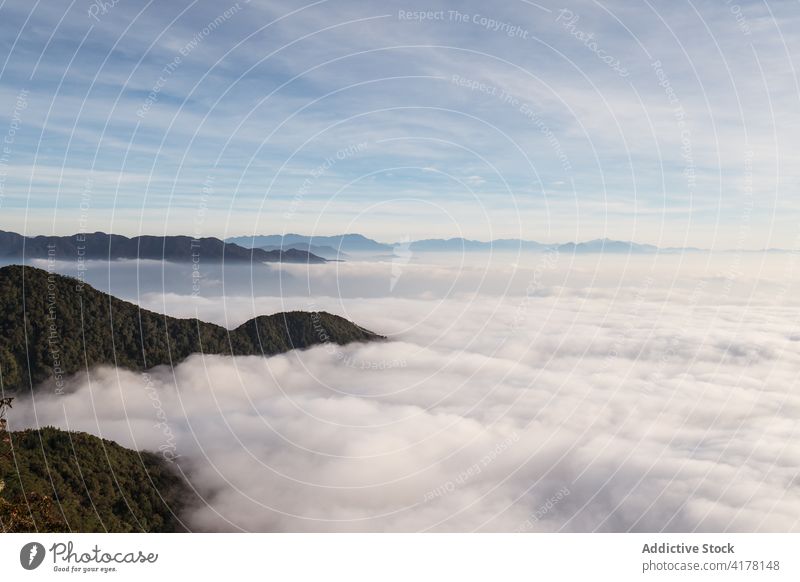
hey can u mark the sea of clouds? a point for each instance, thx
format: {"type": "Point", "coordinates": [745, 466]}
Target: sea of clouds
{"type": "Point", "coordinates": [515, 393]}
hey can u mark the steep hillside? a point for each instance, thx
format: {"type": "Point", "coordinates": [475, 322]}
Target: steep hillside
{"type": "Point", "coordinates": [51, 327]}
{"type": "Point", "coordinates": [57, 481]}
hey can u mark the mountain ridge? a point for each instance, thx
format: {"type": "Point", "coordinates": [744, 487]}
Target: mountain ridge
{"type": "Point", "coordinates": [358, 243]}
{"type": "Point", "coordinates": [347, 243]}
{"type": "Point", "coordinates": [326, 252]}
{"type": "Point", "coordinates": [177, 248]}
{"type": "Point", "coordinates": [53, 480]}
{"type": "Point", "coordinates": [53, 326]}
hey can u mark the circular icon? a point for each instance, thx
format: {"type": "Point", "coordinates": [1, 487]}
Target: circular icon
{"type": "Point", "coordinates": [31, 555]}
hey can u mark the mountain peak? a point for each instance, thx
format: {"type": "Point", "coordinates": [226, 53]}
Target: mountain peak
{"type": "Point", "coordinates": [51, 328]}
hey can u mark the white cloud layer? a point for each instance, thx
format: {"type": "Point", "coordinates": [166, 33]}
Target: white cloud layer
{"type": "Point", "coordinates": [608, 399]}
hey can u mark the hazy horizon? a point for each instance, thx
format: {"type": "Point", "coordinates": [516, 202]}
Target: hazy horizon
{"type": "Point", "coordinates": [405, 240]}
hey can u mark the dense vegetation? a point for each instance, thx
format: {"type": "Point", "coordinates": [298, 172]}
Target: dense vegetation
{"type": "Point", "coordinates": [57, 481]}
{"type": "Point", "coordinates": [53, 326]}
{"type": "Point", "coordinates": [102, 246]}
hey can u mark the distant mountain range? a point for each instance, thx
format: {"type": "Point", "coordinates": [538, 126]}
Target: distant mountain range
{"type": "Point", "coordinates": [324, 251]}
{"type": "Point", "coordinates": [52, 327]}
{"type": "Point", "coordinates": [289, 248]}
{"type": "Point", "coordinates": [343, 243]}
{"type": "Point", "coordinates": [607, 246]}
{"type": "Point", "coordinates": [102, 246]}
{"type": "Point", "coordinates": [359, 244]}
{"type": "Point", "coordinates": [462, 244]}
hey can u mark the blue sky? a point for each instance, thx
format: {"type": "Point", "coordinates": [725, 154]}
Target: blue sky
{"type": "Point", "coordinates": [671, 123]}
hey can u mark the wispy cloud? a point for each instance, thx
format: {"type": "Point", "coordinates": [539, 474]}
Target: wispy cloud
{"type": "Point", "coordinates": [701, 119]}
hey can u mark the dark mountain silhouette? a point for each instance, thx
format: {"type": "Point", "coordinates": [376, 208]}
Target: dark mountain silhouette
{"type": "Point", "coordinates": [324, 251]}
{"type": "Point", "coordinates": [102, 246]}
{"type": "Point", "coordinates": [53, 326]}
{"type": "Point", "coordinates": [57, 481]}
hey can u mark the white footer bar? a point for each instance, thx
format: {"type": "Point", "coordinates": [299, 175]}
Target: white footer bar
{"type": "Point", "coordinates": [401, 557]}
